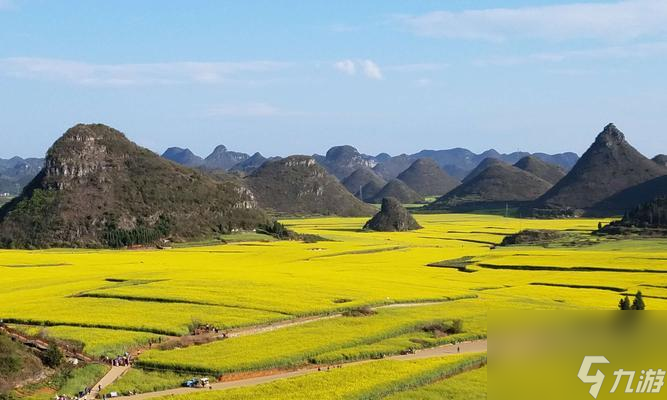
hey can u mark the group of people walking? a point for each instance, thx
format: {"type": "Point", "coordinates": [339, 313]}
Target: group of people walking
{"type": "Point", "coordinates": [123, 360]}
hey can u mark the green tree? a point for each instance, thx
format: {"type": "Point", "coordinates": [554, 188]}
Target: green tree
{"type": "Point", "coordinates": [638, 303]}
{"type": "Point", "coordinates": [624, 304]}
{"type": "Point", "coordinates": [52, 357]}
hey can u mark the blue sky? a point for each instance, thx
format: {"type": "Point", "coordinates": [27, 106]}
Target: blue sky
{"type": "Point", "coordinates": [284, 77]}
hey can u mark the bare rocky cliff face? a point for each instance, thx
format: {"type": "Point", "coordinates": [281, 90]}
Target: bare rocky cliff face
{"type": "Point", "coordinates": [78, 155]}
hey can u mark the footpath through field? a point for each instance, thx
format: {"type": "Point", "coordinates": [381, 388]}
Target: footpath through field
{"type": "Point", "coordinates": [460, 348]}
{"type": "Point", "coordinates": [108, 379]}
{"type": "Point", "coordinates": [117, 372]}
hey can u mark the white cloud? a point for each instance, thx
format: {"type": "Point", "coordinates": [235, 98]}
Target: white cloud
{"type": "Point", "coordinates": [346, 66]}
{"type": "Point", "coordinates": [248, 110]}
{"type": "Point", "coordinates": [619, 20]}
{"type": "Point", "coordinates": [367, 67]}
{"type": "Point", "coordinates": [88, 74]}
{"type": "Point", "coordinates": [371, 69]}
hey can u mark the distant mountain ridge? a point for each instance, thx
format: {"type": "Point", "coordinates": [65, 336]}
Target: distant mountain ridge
{"type": "Point", "coordinates": [457, 162]}
{"type": "Point", "coordinates": [341, 161]}
{"type": "Point", "coordinates": [17, 172]}
{"type": "Point", "coordinates": [183, 156]}
{"type": "Point", "coordinates": [221, 158]}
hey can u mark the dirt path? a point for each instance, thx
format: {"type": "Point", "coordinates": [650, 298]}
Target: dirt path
{"type": "Point", "coordinates": [108, 379]}
{"type": "Point", "coordinates": [41, 345]}
{"type": "Point", "coordinates": [461, 348]}
{"type": "Point", "coordinates": [188, 340]}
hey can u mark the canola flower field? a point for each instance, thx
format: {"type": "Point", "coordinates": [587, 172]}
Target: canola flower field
{"type": "Point", "coordinates": [453, 269]}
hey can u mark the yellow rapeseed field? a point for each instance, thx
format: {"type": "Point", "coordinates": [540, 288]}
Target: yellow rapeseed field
{"type": "Point", "coordinates": [112, 301]}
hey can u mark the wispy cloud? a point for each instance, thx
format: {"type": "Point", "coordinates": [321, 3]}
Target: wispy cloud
{"type": "Point", "coordinates": [371, 69]}
{"type": "Point", "coordinates": [88, 74]}
{"type": "Point", "coordinates": [619, 20]}
{"type": "Point", "coordinates": [368, 68]}
{"type": "Point", "coordinates": [346, 66]}
{"type": "Point", "coordinates": [248, 110]}
{"type": "Point", "coordinates": [638, 50]}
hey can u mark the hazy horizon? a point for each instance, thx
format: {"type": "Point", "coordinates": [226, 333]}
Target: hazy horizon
{"type": "Point", "coordinates": [294, 78]}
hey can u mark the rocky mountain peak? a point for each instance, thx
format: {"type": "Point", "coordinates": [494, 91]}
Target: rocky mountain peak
{"type": "Point", "coordinates": [610, 136]}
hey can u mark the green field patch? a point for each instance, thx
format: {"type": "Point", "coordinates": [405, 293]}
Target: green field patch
{"type": "Point", "coordinates": [67, 381]}
{"type": "Point", "coordinates": [356, 252]}
{"type": "Point", "coordinates": [138, 380]}
{"type": "Point", "coordinates": [476, 241]}
{"type": "Point", "coordinates": [34, 265]}
{"type": "Point", "coordinates": [461, 264]}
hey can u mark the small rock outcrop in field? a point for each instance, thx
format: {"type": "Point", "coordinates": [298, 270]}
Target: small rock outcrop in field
{"type": "Point", "coordinates": [393, 217]}
{"type": "Point", "coordinates": [532, 236]}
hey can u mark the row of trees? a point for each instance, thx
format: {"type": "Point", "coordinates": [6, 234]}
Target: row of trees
{"type": "Point", "coordinates": [637, 303]}
{"type": "Point", "coordinates": [142, 234]}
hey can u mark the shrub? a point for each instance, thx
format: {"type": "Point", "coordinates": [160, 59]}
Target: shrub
{"type": "Point", "coordinates": [457, 327]}
{"type": "Point", "coordinates": [52, 357]}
